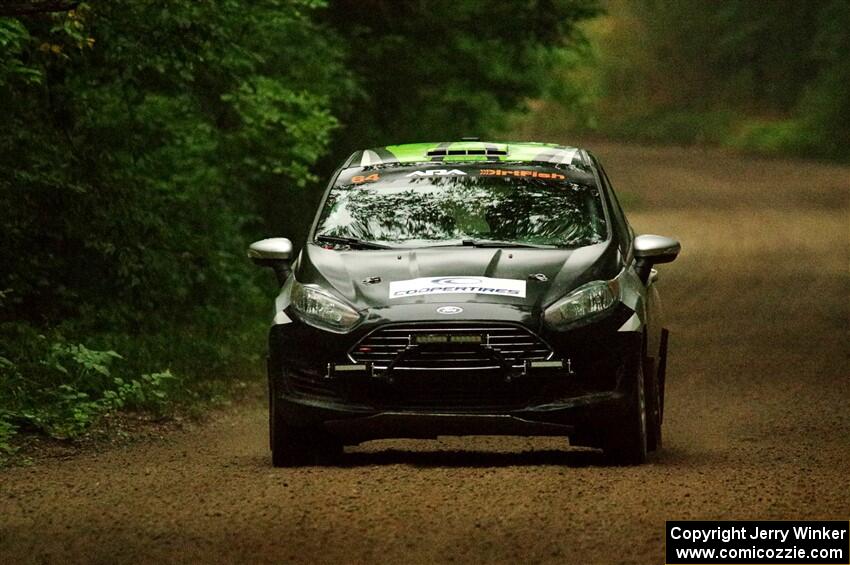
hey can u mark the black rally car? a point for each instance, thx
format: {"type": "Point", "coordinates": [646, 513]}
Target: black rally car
{"type": "Point", "coordinates": [467, 288]}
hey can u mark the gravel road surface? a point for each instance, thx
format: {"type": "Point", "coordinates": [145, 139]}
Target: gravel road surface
{"type": "Point", "coordinates": [757, 420]}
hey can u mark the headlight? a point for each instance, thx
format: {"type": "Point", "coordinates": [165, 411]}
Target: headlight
{"type": "Point", "coordinates": [323, 310]}
{"type": "Point", "coordinates": [587, 300]}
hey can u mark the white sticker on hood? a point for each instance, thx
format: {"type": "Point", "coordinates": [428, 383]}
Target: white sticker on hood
{"type": "Point", "coordinates": [457, 285]}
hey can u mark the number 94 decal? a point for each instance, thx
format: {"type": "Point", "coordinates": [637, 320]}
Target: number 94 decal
{"type": "Point", "coordinates": [359, 179]}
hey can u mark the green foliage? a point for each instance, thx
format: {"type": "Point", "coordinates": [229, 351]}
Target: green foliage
{"type": "Point", "coordinates": [134, 140]}
{"type": "Point", "coordinates": [676, 126]}
{"type": "Point", "coordinates": [824, 108]}
{"type": "Point", "coordinates": [7, 430]}
{"type": "Point", "coordinates": [13, 37]}
{"type": "Point", "coordinates": [438, 70]}
{"type": "Point", "coordinates": [61, 388]}
{"type": "Point", "coordinates": [771, 136]}
{"type": "Point", "coordinates": [143, 144]}
{"type": "Point", "coordinates": [767, 77]}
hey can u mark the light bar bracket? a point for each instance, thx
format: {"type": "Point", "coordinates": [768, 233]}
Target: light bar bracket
{"type": "Point", "coordinates": [530, 366]}
{"type": "Point", "coordinates": [334, 369]}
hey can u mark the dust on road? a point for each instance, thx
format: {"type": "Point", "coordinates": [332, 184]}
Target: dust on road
{"type": "Point", "coordinates": [757, 420]}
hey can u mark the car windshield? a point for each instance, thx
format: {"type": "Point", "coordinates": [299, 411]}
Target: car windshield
{"type": "Point", "coordinates": [466, 205]}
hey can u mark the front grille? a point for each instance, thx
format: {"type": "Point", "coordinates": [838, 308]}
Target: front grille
{"type": "Point", "coordinates": [501, 345]}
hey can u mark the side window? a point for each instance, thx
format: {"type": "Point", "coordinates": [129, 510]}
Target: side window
{"type": "Point", "coordinates": [622, 227]}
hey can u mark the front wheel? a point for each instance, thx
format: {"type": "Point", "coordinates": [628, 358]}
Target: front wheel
{"type": "Point", "coordinates": [625, 442]}
{"type": "Point", "coordinates": [294, 446]}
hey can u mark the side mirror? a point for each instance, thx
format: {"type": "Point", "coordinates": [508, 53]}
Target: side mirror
{"type": "Point", "coordinates": [654, 249]}
{"type": "Point", "coordinates": [274, 252]}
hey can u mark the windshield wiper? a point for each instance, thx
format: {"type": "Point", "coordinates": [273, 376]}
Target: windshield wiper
{"type": "Point", "coordinates": [494, 243]}
{"type": "Point", "coordinates": [351, 242]}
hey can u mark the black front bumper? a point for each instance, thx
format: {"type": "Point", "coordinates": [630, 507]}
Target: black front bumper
{"type": "Point", "coordinates": [354, 424]}
{"type": "Point", "coordinates": [585, 393]}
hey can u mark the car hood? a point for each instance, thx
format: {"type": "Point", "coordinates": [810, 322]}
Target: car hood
{"type": "Point", "coordinates": [366, 277]}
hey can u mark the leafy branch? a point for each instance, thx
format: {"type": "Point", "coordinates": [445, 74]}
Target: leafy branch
{"type": "Point", "coordinates": [30, 8]}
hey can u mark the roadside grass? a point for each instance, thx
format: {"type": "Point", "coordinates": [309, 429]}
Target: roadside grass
{"type": "Point", "coordinates": [549, 120]}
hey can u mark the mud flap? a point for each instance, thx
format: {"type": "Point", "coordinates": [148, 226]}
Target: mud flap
{"type": "Point", "coordinates": [662, 370]}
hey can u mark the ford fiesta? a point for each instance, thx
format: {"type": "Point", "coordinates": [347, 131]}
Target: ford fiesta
{"type": "Point", "coordinates": [467, 288]}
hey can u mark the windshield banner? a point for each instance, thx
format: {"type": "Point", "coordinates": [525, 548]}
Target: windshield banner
{"type": "Point", "coordinates": [457, 285]}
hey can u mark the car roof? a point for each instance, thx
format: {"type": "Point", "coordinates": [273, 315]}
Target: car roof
{"type": "Point", "coordinates": [465, 151]}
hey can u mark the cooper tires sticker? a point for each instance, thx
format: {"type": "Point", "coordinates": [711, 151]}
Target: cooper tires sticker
{"type": "Point", "coordinates": [457, 285]}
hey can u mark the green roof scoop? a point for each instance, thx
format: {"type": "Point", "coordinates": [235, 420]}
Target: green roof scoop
{"type": "Point", "coordinates": [468, 149]}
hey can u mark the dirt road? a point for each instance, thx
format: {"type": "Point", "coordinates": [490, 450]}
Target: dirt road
{"type": "Point", "coordinates": [757, 422]}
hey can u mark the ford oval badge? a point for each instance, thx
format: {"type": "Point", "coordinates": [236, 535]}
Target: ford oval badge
{"type": "Point", "coordinates": [449, 310]}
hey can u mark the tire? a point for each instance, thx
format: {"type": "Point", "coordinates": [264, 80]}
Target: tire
{"type": "Point", "coordinates": [625, 442]}
{"type": "Point", "coordinates": [294, 446]}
